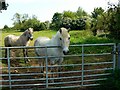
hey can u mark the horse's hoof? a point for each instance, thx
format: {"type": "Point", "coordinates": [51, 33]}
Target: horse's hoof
{"type": "Point", "coordinates": [41, 71]}
{"type": "Point", "coordinates": [16, 71]}
{"type": "Point", "coordinates": [28, 60]}
{"type": "Point", "coordinates": [44, 72]}
{"type": "Point", "coordinates": [52, 81]}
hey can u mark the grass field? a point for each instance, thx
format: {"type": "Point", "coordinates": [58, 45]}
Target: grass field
{"type": "Point", "coordinates": [77, 37]}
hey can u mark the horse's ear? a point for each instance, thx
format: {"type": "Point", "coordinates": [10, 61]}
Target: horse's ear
{"type": "Point", "coordinates": [68, 30]}
{"type": "Point", "coordinates": [60, 30]}
{"type": "Point", "coordinates": [28, 29]}
{"type": "Point", "coordinates": [25, 33]}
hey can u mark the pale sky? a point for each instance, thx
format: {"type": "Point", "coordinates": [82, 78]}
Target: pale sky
{"type": "Point", "coordinates": [45, 9]}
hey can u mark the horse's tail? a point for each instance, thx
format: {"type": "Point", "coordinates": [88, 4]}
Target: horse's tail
{"type": "Point", "coordinates": [36, 49]}
{"type": "Point", "coordinates": [7, 44]}
{"type": "Point", "coordinates": [5, 41]}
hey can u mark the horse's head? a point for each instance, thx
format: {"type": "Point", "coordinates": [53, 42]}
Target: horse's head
{"type": "Point", "coordinates": [64, 39]}
{"type": "Point", "coordinates": [29, 33]}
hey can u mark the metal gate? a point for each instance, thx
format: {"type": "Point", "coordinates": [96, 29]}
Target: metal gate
{"type": "Point", "coordinates": [85, 65]}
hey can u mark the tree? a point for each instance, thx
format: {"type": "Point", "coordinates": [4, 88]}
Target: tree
{"type": "Point", "coordinates": [43, 26]}
{"type": "Point", "coordinates": [78, 24]}
{"type": "Point", "coordinates": [114, 20]}
{"type": "Point", "coordinates": [31, 22]}
{"type": "Point", "coordinates": [97, 11]}
{"type": "Point", "coordinates": [73, 20]}
{"type": "Point", "coordinates": [47, 23]}
{"type": "Point", "coordinates": [16, 18]}
{"type": "Point", "coordinates": [6, 27]}
{"type": "Point", "coordinates": [66, 22]}
{"type": "Point", "coordinates": [96, 16]}
{"type": "Point", "coordinates": [24, 17]}
{"type": "Point", "coordinates": [19, 19]}
{"type": "Point", "coordinates": [23, 22]}
{"type": "Point", "coordinates": [69, 14]}
{"type": "Point", "coordinates": [56, 20]}
{"type": "Point", "coordinates": [81, 13]}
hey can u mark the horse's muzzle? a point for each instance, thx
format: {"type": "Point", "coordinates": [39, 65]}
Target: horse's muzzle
{"type": "Point", "coordinates": [31, 38]}
{"type": "Point", "coordinates": [65, 52]}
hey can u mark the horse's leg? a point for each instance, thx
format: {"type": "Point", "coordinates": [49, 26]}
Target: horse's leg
{"type": "Point", "coordinates": [52, 63]}
{"type": "Point", "coordinates": [41, 65]}
{"type": "Point", "coordinates": [42, 68]}
{"type": "Point", "coordinates": [59, 63]}
{"type": "Point", "coordinates": [5, 53]}
{"type": "Point", "coordinates": [24, 53]}
{"type": "Point", "coordinates": [5, 60]}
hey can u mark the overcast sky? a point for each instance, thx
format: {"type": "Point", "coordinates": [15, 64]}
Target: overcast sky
{"type": "Point", "coordinates": [44, 9]}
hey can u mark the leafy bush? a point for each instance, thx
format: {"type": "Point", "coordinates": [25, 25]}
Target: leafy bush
{"type": "Point", "coordinates": [112, 82]}
{"type": "Point", "coordinates": [5, 27]}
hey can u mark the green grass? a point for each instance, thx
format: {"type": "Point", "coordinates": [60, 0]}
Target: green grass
{"type": "Point", "coordinates": [86, 37]}
{"type": "Point", "coordinates": [77, 37]}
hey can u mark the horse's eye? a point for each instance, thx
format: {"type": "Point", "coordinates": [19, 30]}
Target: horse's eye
{"type": "Point", "coordinates": [69, 38]}
{"type": "Point", "coordinates": [60, 38]}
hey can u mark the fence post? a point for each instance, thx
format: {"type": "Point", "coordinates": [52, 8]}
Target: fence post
{"type": "Point", "coordinates": [82, 65]}
{"type": "Point", "coordinates": [118, 56]}
{"type": "Point", "coordinates": [114, 56]}
{"type": "Point", "coordinates": [8, 58]}
{"type": "Point", "coordinates": [46, 60]}
{"type": "Point", "coordinates": [0, 67]}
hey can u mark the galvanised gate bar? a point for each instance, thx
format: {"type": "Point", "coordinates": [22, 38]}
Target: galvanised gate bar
{"type": "Point", "coordinates": [85, 65]}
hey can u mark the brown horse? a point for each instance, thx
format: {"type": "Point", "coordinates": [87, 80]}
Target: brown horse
{"type": "Point", "coordinates": [23, 40]}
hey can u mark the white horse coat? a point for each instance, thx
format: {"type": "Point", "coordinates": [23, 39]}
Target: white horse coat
{"type": "Point", "coordinates": [62, 39]}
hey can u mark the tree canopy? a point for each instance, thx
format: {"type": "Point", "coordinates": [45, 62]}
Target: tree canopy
{"type": "Point", "coordinates": [100, 19]}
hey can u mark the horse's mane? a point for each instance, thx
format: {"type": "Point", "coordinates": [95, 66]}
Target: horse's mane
{"type": "Point", "coordinates": [24, 33]}
{"type": "Point", "coordinates": [55, 36]}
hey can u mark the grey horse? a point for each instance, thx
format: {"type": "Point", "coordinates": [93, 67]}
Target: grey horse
{"type": "Point", "coordinates": [23, 40]}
